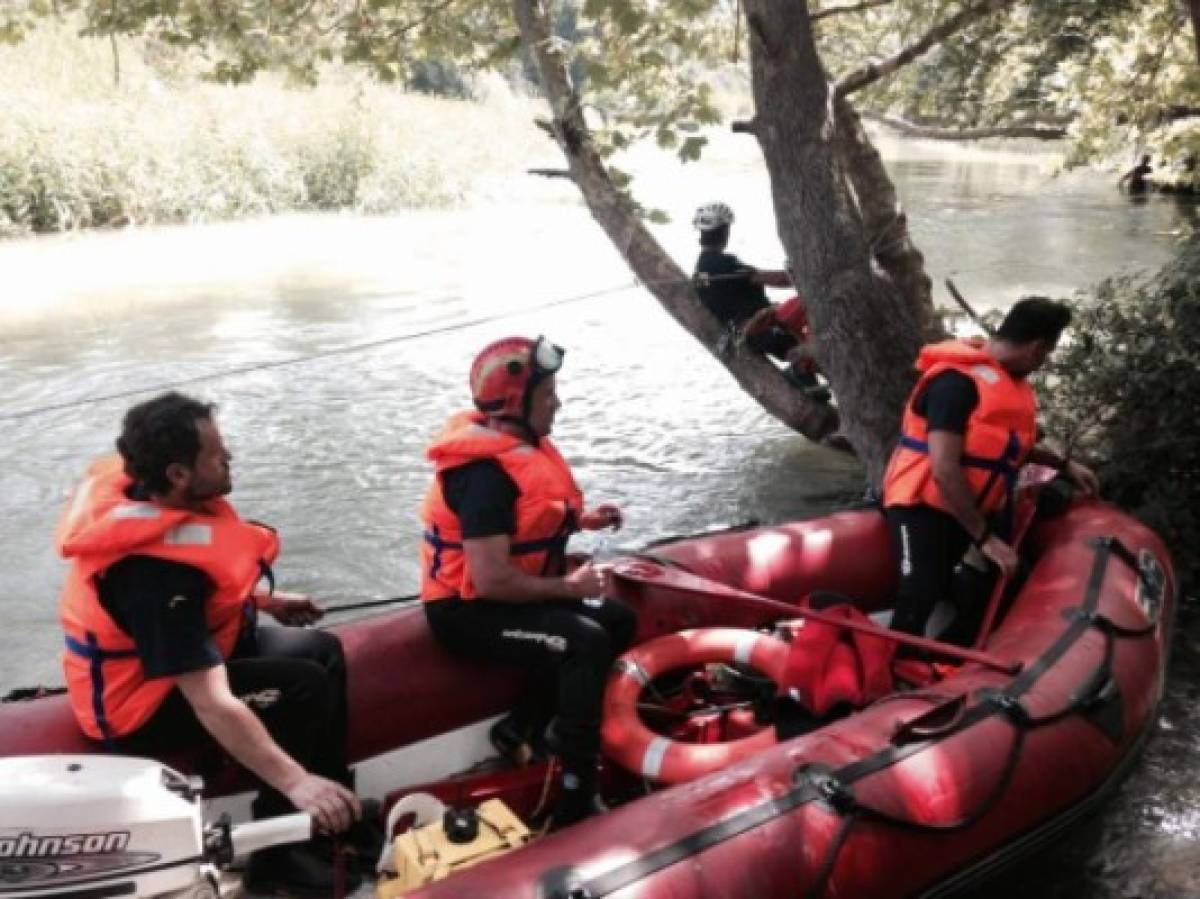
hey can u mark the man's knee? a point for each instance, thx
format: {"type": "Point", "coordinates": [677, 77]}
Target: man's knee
{"type": "Point", "coordinates": [587, 638]}
{"type": "Point", "coordinates": [284, 688]}
{"type": "Point", "coordinates": [621, 624]}
{"type": "Point", "coordinates": [321, 647]}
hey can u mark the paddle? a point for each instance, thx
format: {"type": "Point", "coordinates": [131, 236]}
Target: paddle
{"type": "Point", "coordinates": [675, 579]}
{"type": "Point", "coordinates": [1026, 512]}
{"type": "Point", "coordinates": [966, 307]}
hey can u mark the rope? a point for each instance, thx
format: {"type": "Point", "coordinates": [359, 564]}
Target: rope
{"type": "Point", "coordinates": [300, 360]}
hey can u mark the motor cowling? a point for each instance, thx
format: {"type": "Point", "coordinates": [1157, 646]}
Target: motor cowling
{"type": "Point", "coordinates": [74, 823]}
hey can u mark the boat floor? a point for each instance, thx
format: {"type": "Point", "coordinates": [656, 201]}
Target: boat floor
{"type": "Point", "coordinates": [231, 888]}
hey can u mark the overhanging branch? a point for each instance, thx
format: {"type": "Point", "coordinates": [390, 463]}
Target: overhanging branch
{"type": "Point", "coordinates": [551, 173]}
{"type": "Point", "coordinates": [617, 215]}
{"type": "Point", "coordinates": [872, 72]}
{"type": "Point", "coordinates": [857, 7]}
{"type": "Point", "coordinates": [933, 132]}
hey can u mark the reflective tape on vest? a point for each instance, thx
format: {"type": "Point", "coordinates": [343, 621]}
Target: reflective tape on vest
{"type": "Point", "coordinates": [135, 510]}
{"type": "Point", "coordinates": [189, 534]}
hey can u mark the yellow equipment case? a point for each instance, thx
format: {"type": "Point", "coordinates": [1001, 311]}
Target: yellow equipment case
{"type": "Point", "coordinates": [425, 854]}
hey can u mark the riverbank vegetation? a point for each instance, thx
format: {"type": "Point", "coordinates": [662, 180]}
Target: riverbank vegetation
{"type": "Point", "coordinates": [91, 139]}
{"type": "Point", "coordinates": [1123, 397]}
{"type": "Point", "coordinates": [1115, 79]}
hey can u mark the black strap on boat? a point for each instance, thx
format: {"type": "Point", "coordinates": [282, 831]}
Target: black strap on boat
{"type": "Point", "coordinates": [842, 800]}
{"type": "Point", "coordinates": [835, 848]}
{"type": "Point", "coordinates": [565, 883]}
{"type": "Point", "coordinates": [835, 788]}
{"type": "Point", "coordinates": [1122, 552]}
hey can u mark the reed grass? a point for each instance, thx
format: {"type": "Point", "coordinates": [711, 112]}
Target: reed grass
{"type": "Point", "coordinates": [78, 150]}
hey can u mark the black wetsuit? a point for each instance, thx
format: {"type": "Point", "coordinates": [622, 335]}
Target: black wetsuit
{"type": "Point", "coordinates": [734, 299]}
{"type": "Point", "coordinates": [1138, 184]}
{"type": "Point", "coordinates": [929, 542]}
{"type": "Point", "coordinates": [293, 679]}
{"type": "Point", "coordinates": [567, 646]}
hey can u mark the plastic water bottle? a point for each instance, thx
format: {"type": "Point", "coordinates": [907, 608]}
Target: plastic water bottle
{"type": "Point", "coordinates": [602, 555]}
{"type": "Point", "coordinates": [602, 552]}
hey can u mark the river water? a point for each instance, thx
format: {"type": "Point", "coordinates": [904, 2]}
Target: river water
{"type": "Point", "coordinates": [330, 449]}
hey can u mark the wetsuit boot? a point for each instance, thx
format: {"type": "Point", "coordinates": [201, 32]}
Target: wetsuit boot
{"type": "Point", "coordinates": [578, 794]}
{"type": "Point", "coordinates": [300, 870]}
{"type": "Point", "coordinates": [578, 798]}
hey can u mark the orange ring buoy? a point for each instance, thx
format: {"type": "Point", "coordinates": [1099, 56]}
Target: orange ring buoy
{"type": "Point", "coordinates": [628, 741]}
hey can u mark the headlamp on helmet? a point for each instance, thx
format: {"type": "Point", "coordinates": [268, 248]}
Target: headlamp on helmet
{"type": "Point", "coordinates": [505, 373]}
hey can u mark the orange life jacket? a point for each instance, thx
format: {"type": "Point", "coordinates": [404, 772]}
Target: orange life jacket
{"type": "Point", "coordinates": [101, 525]}
{"type": "Point", "coordinates": [547, 510]}
{"type": "Point", "coordinates": [999, 435]}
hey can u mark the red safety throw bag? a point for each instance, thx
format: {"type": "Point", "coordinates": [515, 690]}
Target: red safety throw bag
{"type": "Point", "coordinates": [829, 665]}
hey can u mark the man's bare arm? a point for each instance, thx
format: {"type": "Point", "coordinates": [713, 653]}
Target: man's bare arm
{"type": "Point", "coordinates": [243, 736]}
{"type": "Point", "coordinates": [945, 458]}
{"type": "Point", "coordinates": [771, 278]}
{"type": "Point", "coordinates": [497, 578]}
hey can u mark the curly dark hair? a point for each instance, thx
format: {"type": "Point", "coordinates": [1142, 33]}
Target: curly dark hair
{"type": "Point", "coordinates": [1034, 318]}
{"type": "Point", "coordinates": [158, 432]}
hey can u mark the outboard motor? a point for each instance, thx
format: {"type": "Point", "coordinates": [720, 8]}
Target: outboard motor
{"type": "Point", "coordinates": [95, 825]}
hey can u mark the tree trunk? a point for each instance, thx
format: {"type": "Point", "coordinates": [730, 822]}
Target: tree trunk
{"type": "Point", "coordinates": [669, 284]}
{"type": "Point", "coordinates": [866, 338]}
{"type": "Point", "coordinates": [1194, 8]}
{"type": "Point", "coordinates": [885, 221]}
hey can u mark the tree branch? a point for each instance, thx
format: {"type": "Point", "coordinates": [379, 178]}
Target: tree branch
{"type": "Point", "coordinates": [872, 72]}
{"type": "Point", "coordinates": [116, 58]}
{"type": "Point", "coordinates": [551, 173]}
{"type": "Point", "coordinates": [401, 29]}
{"type": "Point", "coordinates": [617, 215]}
{"type": "Point", "coordinates": [930, 132]}
{"type": "Point", "coordinates": [857, 7]}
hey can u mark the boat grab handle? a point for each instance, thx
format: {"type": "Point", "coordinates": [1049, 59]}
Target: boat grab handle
{"type": "Point", "coordinates": [936, 721]}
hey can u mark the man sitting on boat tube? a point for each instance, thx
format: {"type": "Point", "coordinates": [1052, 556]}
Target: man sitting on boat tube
{"type": "Point", "coordinates": [968, 427]}
{"type": "Point", "coordinates": [494, 577]}
{"type": "Point", "coordinates": [159, 612]}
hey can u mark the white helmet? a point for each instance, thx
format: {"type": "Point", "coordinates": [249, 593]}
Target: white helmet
{"type": "Point", "coordinates": [711, 216]}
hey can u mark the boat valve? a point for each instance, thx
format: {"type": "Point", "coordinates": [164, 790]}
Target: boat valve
{"type": "Point", "coordinates": [1011, 707]}
{"type": "Point", "coordinates": [828, 788]}
{"type": "Point", "coordinates": [837, 794]}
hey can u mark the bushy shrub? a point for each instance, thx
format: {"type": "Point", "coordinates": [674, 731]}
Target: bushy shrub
{"type": "Point", "coordinates": [78, 151]}
{"type": "Point", "coordinates": [1123, 391]}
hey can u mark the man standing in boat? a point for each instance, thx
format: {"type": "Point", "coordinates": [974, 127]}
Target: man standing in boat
{"type": "Point", "coordinates": [733, 292]}
{"type": "Point", "coordinates": [968, 427]}
{"type": "Point", "coordinates": [159, 612]}
{"type": "Point", "coordinates": [494, 574]}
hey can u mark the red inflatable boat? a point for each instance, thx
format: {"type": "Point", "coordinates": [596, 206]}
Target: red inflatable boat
{"type": "Point", "coordinates": [922, 792]}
